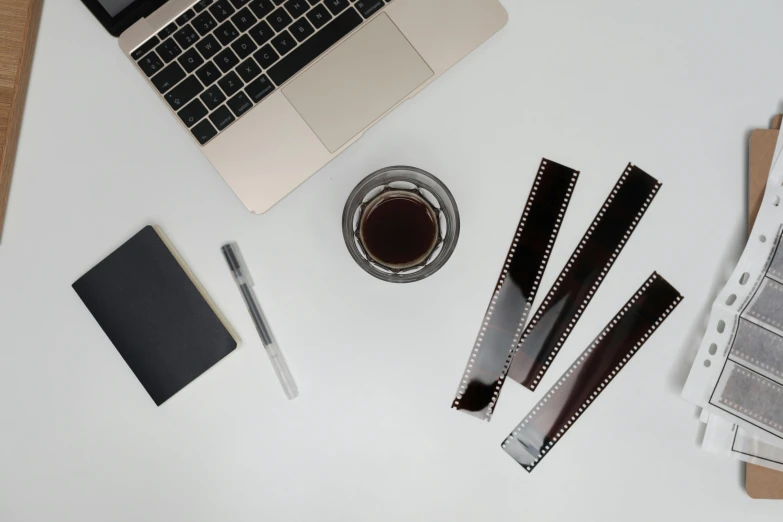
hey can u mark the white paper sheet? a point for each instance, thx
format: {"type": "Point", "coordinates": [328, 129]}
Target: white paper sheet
{"type": "Point", "coordinates": [726, 438]}
{"type": "Point", "coordinates": [738, 372]}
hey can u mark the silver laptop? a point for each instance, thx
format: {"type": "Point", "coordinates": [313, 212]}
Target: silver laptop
{"type": "Point", "coordinates": [272, 90]}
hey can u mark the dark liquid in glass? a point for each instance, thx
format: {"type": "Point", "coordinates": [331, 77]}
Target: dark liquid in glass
{"type": "Point", "coordinates": [399, 229]}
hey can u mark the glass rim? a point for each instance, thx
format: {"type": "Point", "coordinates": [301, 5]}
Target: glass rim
{"type": "Point", "coordinates": [418, 177]}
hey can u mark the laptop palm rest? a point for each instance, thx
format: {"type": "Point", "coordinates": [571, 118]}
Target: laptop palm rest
{"type": "Point", "coordinates": [357, 82]}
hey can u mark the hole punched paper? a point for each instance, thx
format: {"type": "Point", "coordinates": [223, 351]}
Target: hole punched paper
{"type": "Point", "coordinates": [738, 372]}
{"type": "Point", "coordinates": [764, 475]}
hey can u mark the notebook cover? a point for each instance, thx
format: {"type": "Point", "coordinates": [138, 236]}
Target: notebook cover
{"type": "Point", "coordinates": [155, 314]}
{"type": "Point", "coordinates": [761, 482]}
{"type": "Point", "coordinates": [18, 29]}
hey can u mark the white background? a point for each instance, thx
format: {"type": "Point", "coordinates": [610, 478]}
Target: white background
{"type": "Point", "coordinates": [673, 86]}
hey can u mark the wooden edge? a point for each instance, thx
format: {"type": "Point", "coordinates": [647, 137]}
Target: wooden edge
{"type": "Point", "coordinates": [17, 105]}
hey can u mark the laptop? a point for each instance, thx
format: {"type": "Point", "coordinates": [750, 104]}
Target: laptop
{"type": "Point", "coordinates": [272, 90]}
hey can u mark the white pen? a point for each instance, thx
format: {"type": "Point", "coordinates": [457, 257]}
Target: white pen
{"type": "Point", "coordinates": [245, 283]}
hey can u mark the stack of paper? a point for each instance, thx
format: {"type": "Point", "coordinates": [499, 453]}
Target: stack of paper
{"type": "Point", "coordinates": [737, 377]}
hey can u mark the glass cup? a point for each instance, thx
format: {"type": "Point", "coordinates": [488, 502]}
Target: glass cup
{"type": "Point", "coordinates": [391, 213]}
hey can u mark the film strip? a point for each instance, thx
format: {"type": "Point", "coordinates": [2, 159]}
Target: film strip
{"type": "Point", "coordinates": [503, 323]}
{"type": "Point", "coordinates": [581, 384]}
{"type": "Point", "coordinates": [583, 274]}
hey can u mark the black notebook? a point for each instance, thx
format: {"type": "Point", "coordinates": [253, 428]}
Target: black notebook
{"type": "Point", "coordinates": [156, 314]}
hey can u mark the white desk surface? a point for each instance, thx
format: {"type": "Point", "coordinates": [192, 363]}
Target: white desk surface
{"type": "Point", "coordinates": [673, 86]}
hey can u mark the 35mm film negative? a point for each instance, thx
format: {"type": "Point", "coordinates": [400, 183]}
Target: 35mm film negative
{"type": "Point", "coordinates": [519, 280]}
{"type": "Point", "coordinates": [582, 275]}
{"type": "Point", "coordinates": [581, 384]}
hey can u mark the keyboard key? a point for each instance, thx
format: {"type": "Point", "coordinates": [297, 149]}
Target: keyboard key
{"type": "Point", "coordinates": [239, 3]}
{"type": "Point", "coordinates": [185, 17]}
{"type": "Point", "coordinates": [150, 64]}
{"type": "Point", "coordinates": [145, 48]}
{"type": "Point", "coordinates": [283, 42]}
{"type": "Point", "coordinates": [213, 97]}
{"type": "Point", "coordinates": [248, 70]}
{"type": "Point", "coordinates": [244, 46]}
{"type": "Point", "coordinates": [226, 33]}
{"type": "Point", "coordinates": [167, 31]}
{"type": "Point", "coordinates": [204, 132]}
{"type": "Point", "coordinates": [168, 77]}
{"type": "Point", "coordinates": [314, 47]}
{"type": "Point", "coordinates": [319, 16]}
{"type": "Point", "coordinates": [279, 19]}
{"type": "Point", "coordinates": [369, 7]}
{"type": "Point", "coordinates": [201, 5]}
{"type": "Point", "coordinates": [168, 50]}
{"type": "Point", "coordinates": [301, 29]}
{"type": "Point", "coordinates": [208, 74]}
{"type": "Point", "coordinates": [230, 83]}
{"type": "Point", "coordinates": [313, 2]}
{"type": "Point", "coordinates": [244, 20]}
{"type": "Point", "coordinates": [296, 8]}
{"type": "Point", "coordinates": [221, 10]}
{"type": "Point", "coordinates": [180, 95]}
{"type": "Point", "coordinates": [336, 6]}
{"type": "Point", "coordinates": [261, 33]}
{"type": "Point", "coordinates": [261, 8]}
{"type": "Point", "coordinates": [208, 47]}
{"type": "Point", "coordinates": [204, 23]}
{"type": "Point", "coordinates": [192, 113]}
{"type": "Point", "coordinates": [222, 118]}
{"type": "Point", "coordinates": [190, 61]}
{"type": "Point", "coordinates": [259, 89]}
{"type": "Point", "coordinates": [186, 36]}
{"type": "Point", "coordinates": [240, 104]}
{"type": "Point", "coordinates": [226, 60]}
{"type": "Point", "coordinates": [266, 56]}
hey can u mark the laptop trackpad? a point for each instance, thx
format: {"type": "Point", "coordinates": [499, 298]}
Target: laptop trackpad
{"type": "Point", "coordinates": [357, 82]}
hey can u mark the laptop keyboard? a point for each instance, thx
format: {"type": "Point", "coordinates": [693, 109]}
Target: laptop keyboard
{"type": "Point", "coordinates": [219, 58]}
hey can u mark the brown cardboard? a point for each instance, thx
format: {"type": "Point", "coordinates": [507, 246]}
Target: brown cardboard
{"type": "Point", "coordinates": [763, 483]}
{"type": "Point", "coordinates": [760, 482]}
{"type": "Point", "coordinates": [762, 149]}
